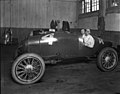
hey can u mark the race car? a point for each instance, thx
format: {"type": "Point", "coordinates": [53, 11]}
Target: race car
{"type": "Point", "coordinates": [53, 46]}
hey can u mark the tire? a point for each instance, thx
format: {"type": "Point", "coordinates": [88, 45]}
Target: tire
{"type": "Point", "coordinates": [28, 68]}
{"type": "Point", "coordinates": [107, 59]}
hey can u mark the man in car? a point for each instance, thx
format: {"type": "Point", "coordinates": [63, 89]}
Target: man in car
{"type": "Point", "coordinates": [83, 32]}
{"type": "Point", "coordinates": [88, 40]}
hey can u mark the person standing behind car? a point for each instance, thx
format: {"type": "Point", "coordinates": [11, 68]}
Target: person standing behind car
{"type": "Point", "coordinates": [88, 40]}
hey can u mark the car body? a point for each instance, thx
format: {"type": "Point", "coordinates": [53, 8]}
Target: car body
{"type": "Point", "coordinates": [60, 44]}
{"type": "Point", "coordinates": [51, 46]}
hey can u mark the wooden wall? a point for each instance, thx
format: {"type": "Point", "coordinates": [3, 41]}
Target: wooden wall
{"type": "Point", "coordinates": [112, 22]}
{"type": "Point", "coordinates": [36, 13]}
{"type": "Point", "coordinates": [25, 15]}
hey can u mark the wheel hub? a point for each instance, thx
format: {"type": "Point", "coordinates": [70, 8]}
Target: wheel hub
{"type": "Point", "coordinates": [28, 68]}
{"type": "Point", "coordinates": [107, 59]}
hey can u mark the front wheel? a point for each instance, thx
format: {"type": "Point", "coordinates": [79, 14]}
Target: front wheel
{"type": "Point", "coordinates": [107, 59]}
{"type": "Point", "coordinates": [28, 68]}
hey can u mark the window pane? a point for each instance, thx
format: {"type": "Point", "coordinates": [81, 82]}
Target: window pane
{"type": "Point", "coordinates": [95, 5]}
{"type": "Point", "coordinates": [82, 6]}
{"type": "Point", "coordinates": [87, 5]}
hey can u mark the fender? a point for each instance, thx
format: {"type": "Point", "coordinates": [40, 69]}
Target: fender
{"type": "Point", "coordinates": [116, 46]}
{"type": "Point", "coordinates": [118, 49]}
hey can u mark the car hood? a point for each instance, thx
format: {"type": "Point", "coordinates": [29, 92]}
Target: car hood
{"type": "Point", "coordinates": [33, 40]}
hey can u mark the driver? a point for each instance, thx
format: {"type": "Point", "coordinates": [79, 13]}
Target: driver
{"type": "Point", "coordinates": [88, 40]}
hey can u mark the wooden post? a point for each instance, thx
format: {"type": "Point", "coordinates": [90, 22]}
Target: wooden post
{"type": "Point", "coordinates": [101, 16]}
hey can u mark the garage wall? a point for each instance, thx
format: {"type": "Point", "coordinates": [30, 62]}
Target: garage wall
{"type": "Point", "coordinates": [36, 13]}
{"type": "Point", "coordinates": [23, 16]}
{"type": "Point", "coordinates": [112, 26]}
{"type": "Point", "coordinates": [112, 22]}
{"type": "Point", "coordinates": [88, 22]}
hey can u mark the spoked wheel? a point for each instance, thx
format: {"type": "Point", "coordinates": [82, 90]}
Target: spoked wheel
{"type": "Point", "coordinates": [107, 59]}
{"type": "Point", "coordinates": [28, 68]}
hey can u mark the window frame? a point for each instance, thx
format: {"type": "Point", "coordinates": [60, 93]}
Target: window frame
{"type": "Point", "coordinates": [86, 10]}
{"type": "Point", "coordinates": [115, 9]}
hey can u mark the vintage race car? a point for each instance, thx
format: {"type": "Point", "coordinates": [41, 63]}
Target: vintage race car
{"type": "Point", "coordinates": [43, 47]}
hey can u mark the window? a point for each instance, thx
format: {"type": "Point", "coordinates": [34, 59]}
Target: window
{"type": "Point", "coordinates": [82, 7]}
{"type": "Point", "coordinates": [89, 6]}
{"type": "Point", "coordinates": [95, 5]}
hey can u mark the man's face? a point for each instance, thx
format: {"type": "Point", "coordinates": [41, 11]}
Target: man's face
{"type": "Point", "coordinates": [86, 33]}
{"type": "Point", "coordinates": [82, 31]}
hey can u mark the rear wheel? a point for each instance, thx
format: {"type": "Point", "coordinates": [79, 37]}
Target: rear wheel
{"type": "Point", "coordinates": [107, 59]}
{"type": "Point", "coordinates": [28, 68]}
